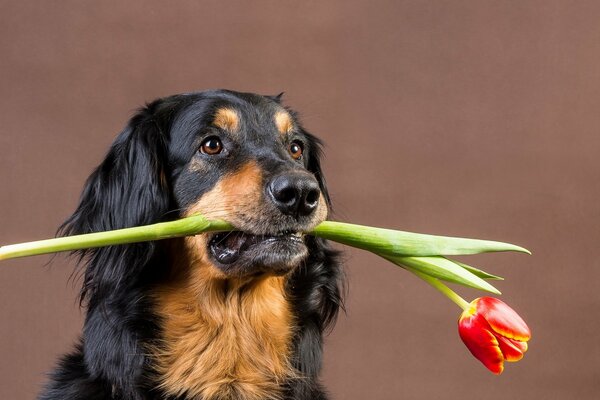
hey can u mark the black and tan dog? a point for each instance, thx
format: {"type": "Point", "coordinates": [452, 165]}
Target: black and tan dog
{"type": "Point", "coordinates": [236, 315]}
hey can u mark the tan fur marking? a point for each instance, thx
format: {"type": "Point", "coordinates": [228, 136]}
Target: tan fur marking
{"type": "Point", "coordinates": [283, 121]}
{"type": "Point", "coordinates": [227, 119]}
{"type": "Point", "coordinates": [237, 198]}
{"type": "Point", "coordinates": [223, 337]}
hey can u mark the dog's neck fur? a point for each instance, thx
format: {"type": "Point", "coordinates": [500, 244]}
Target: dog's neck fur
{"type": "Point", "coordinates": [223, 338]}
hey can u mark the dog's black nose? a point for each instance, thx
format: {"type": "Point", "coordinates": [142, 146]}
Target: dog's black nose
{"type": "Point", "coordinates": [295, 194]}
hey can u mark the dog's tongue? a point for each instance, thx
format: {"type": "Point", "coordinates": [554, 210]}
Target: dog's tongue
{"type": "Point", "coordinates": [227, 246]}
{"type": "Point", "coordinates": [235, 240]}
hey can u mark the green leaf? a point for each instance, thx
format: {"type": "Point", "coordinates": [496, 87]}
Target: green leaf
{"type": "Point", "coordinates": [480, 273]}
{"type": "Point", "coordinates": [444, 269]}
{"type": "Point", "coordinates": [392, 243]}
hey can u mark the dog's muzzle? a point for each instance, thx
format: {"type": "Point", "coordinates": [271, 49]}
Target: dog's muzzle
{"type": "Point", "coordinates": [275, 245]}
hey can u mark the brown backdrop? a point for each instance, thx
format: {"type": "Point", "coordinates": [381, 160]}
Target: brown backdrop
{"type": "Point", "coordinates": [462, 118]}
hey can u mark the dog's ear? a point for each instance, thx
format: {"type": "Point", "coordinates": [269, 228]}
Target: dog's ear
{"type": "Point", "coordinates": [129, 188]}
{"type": "Point", "coordinates": [276, 98]}
{"type": "Point", "coordinates": [313, 163]}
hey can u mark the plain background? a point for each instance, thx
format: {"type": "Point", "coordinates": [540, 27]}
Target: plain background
{"type": "Point", "coordinates": [466, 118]}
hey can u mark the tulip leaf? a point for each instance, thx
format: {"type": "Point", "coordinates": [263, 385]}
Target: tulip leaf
{"type": "Point", "coordinates": [480, 273]}
{"type": "Point", "coordinates": [444, 269]}
{"type": "Point", "coordinates": [391, 242]}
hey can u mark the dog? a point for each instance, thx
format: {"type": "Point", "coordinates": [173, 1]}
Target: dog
{"type": "Point", "coordinates": [234, 315]}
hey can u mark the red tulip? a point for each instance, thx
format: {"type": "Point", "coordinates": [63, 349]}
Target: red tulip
{"type": "Point", "coordinates": [493, 332]}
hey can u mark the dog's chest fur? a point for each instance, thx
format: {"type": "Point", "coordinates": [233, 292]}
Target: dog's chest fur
{"type": "Point", "coordinates": [224, 339]}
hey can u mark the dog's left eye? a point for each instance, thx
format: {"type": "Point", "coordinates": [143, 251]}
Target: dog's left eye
{"type": "Point", "coordinates": [211, 146]}
{"type": "Point", "coordinates": [295, 149]}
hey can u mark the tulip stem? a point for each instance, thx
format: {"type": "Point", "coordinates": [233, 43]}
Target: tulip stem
{"type": "Point", "coordinates": [445, 290]}
{"type": "Point", "coordinates": [385, 242]}
{"type": "Point", "coordinates": [164, 230]}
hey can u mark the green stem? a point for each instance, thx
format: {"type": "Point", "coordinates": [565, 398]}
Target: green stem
{"type": "Point", "coordinates": [164, 230]}
{"type": "Point", "coordinates": [384, 242]}
{"type": "Point", "coordinates": [445, 290]}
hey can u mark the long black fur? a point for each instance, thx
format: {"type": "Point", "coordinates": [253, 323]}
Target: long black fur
{"type": "Point", "coordinates": [134, 186]}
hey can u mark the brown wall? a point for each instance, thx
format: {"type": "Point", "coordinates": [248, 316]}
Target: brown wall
{"type": "Point", "coordinates": [462, 118]}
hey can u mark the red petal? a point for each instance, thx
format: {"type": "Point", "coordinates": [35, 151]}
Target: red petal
{"type": "Point", "coordinates": [511, 349]}
{"type": "Point", "coordinates": [503, 319]}
{"type": "Point", "coordinates": [481, 342]}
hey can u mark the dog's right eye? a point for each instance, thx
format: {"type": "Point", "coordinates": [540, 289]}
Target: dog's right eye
{"type": "Point", "coordinates": [211, 146]}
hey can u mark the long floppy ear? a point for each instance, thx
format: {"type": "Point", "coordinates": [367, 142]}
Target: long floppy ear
{"type": "Point", "coordinates": [317, 291]}
{"type": "Point", "coordinates": [325, 267]}
{"type": "Point", "coordinates": [128, 188]}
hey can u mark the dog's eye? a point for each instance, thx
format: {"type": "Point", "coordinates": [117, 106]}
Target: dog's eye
{"type": "Point", "coordinates": [211, 146]}
{"type": "Point", "coordinates": [296, 150]}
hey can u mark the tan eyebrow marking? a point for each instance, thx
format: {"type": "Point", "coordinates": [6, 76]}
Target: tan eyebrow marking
{"type": "Point", "coordinates": [227, 119]}
{"type": "Point", "coordinates": [283, 121]}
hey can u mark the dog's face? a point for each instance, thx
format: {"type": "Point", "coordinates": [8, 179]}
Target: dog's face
{"type": "Point", "coordinates": [245, 159]}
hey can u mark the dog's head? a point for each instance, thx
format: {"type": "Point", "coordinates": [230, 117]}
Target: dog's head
{"type": "Point", "coordinates": [235, 156]}
{"type": "Point", "coordinates": [246, 159]}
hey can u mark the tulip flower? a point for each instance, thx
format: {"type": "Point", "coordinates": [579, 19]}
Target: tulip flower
{"type": "Point", "coordinates": [493, 332]}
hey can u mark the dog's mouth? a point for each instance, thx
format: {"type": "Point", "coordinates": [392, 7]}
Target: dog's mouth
{"type": "Point", "coordinates": [244, 253]}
